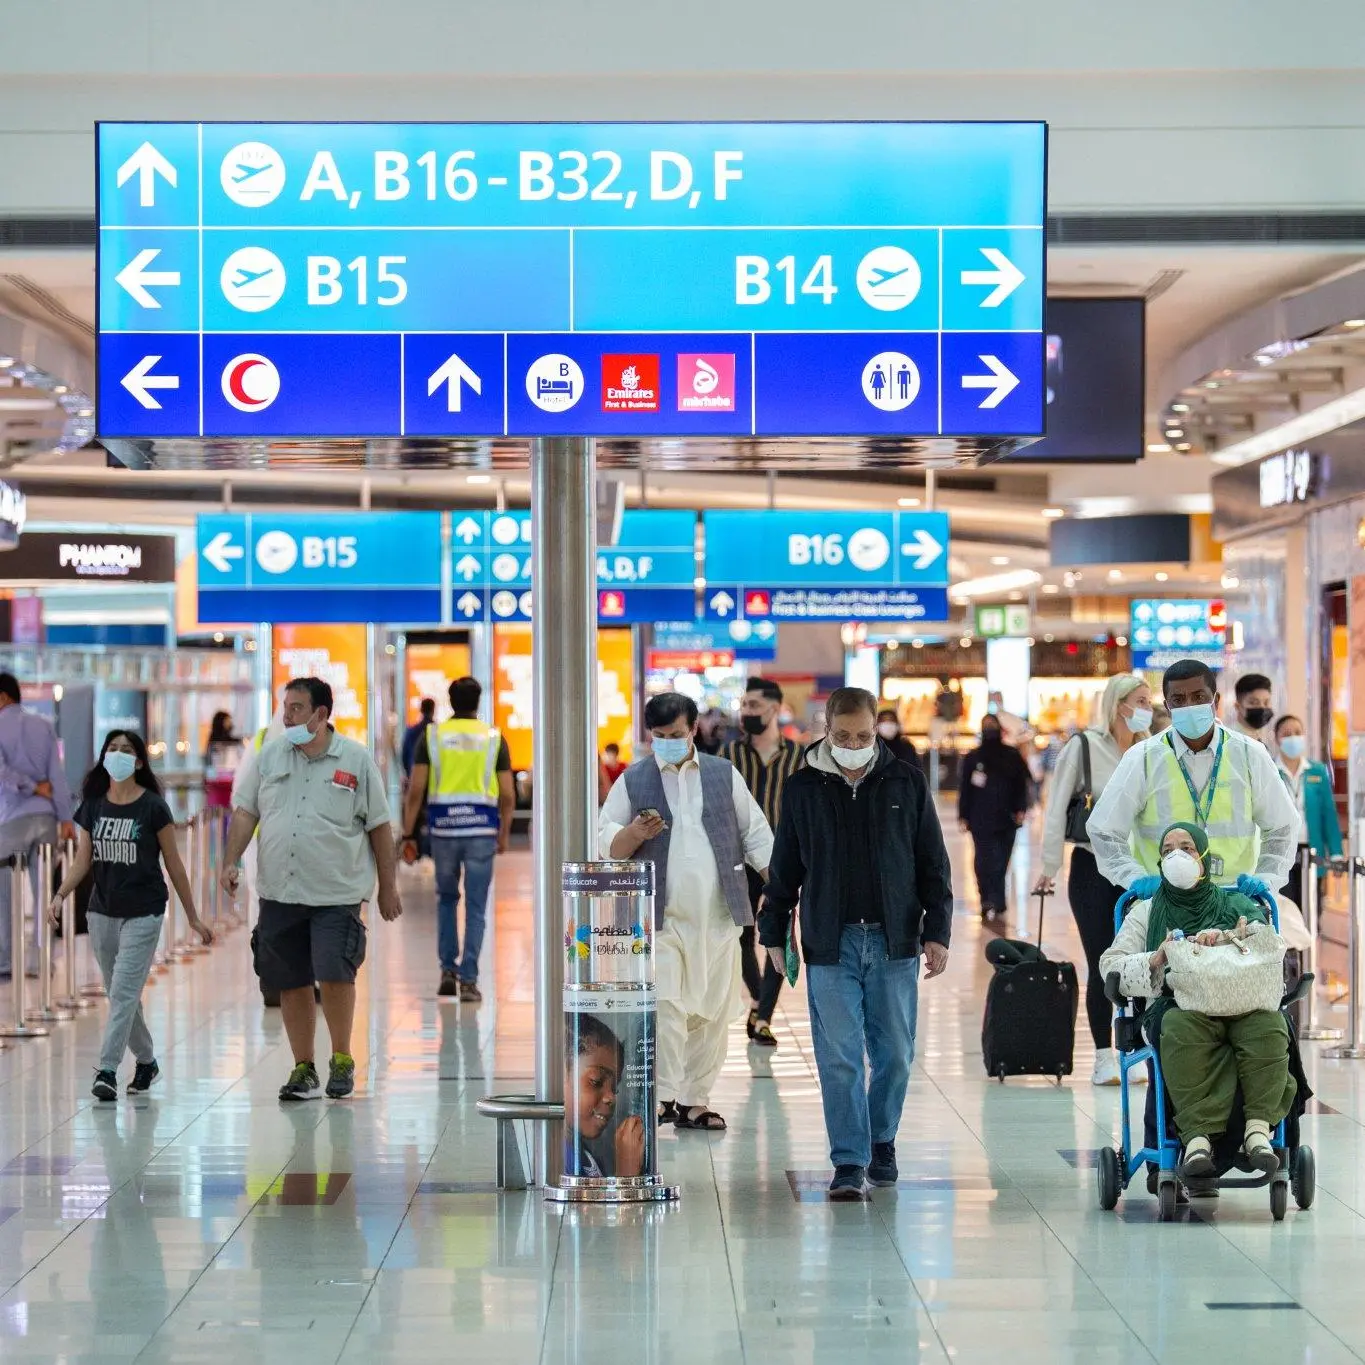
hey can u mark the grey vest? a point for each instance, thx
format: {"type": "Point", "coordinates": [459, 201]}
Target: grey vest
{"type": "Point", "coordinates": [645, 787]}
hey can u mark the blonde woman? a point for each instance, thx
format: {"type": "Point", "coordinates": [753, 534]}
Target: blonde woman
{"type": "Point", "coordinates": [1125, 718]}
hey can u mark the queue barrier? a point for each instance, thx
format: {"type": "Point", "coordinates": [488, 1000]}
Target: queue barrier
{"type": "Point", "coordinates": [1353, 1048]}
{"type": "Point", "coordinates": [515, 1137]}
{"type": "Point", "coordinates": [1309, 863]}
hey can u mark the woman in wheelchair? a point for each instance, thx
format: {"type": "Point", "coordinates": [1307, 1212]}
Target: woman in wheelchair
{"type": "Point", "coordinates": [1204, 1056]}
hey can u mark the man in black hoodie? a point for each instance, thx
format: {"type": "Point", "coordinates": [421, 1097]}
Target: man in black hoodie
{"type": "Point", "coordinates": [860, 848]}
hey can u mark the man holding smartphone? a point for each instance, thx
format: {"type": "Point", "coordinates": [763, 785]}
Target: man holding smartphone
{"type": "Point", "coordinates": [691, 815]}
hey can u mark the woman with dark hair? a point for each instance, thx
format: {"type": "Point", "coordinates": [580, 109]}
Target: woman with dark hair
{"type": "Point", "coordinates": [222, 756]}
{"type": "Point", "coordinates": [125, 831]}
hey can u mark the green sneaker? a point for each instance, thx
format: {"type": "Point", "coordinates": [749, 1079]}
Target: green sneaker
{"type": "Point", "coordinates": [303, 1083]}
{"type": "Point", "coordinates": [340, 1076]}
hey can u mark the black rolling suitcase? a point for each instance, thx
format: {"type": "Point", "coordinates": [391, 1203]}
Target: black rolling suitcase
{"type": "Point", "coordinates": [1030, 1024]}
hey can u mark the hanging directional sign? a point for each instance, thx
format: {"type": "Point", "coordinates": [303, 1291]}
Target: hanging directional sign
{"type": "Point", "coordinates": [755, 641]}
{"type": "Point", "coordinates": [308, 568]}
{"type": "Point", "coordinates": [826, 566]}
{"type": "Point", "coordinates": [570, 279]}
{"type": "Point", "coordinates": [649, 572]}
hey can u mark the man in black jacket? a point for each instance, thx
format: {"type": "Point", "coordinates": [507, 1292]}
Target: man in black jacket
{"type": "Point", "coordinates": [859, 846]}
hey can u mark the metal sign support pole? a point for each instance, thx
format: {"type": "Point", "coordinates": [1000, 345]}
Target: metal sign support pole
{"type": "Point", "coordinates": [564, 706]}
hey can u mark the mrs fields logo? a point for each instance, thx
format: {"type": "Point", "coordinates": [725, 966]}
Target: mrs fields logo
{"type": "Point", "coordinates": [630, 383]}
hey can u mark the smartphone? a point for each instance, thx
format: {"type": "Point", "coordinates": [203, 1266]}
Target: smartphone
{"type": "Point", "coordinates": [649, 813]}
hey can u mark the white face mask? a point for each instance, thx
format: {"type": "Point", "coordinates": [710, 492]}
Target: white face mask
{"type": "Point", "coordinates": [1140, 721]}
{"type": "Point", "coordinates": [888, 729]}
{"type": "Point", "coordinates": [853, 759]}
{"type": "Point", "coordinates": [1181, 869]}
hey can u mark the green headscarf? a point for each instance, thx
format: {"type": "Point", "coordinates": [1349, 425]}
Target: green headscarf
{"type": "Point", "coordinates": [1203, 906]}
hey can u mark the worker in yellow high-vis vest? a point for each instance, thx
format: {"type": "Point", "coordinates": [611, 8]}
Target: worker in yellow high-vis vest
{"type": "Point", "coordinates": [1204, 773]}
{"type": "Point", "coordinates": [463, 767]}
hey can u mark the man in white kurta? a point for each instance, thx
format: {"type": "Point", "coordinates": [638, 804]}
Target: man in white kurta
{"type": "Point", "coordinates": [696, 949]}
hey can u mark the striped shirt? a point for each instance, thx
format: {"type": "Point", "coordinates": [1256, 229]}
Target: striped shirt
{"type": "Point", "coordinates": [765, 781]}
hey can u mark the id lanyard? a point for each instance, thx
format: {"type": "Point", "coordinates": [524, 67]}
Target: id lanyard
{"type": "Point", "coordinates": [1201, 812]}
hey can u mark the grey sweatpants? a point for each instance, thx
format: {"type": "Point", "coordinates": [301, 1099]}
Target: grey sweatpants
{"type": "Point", "coordinates": [124, 948]}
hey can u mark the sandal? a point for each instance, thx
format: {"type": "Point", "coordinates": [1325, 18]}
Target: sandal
{"type": "Point", "coordinates": [708, 1121]}
{"type": "Point", "coordinates": [751, 1024]}
{"type": "Point", "coordinates": [668, 1111]}
{"type": "Point", "coordinates": [762, 1034]}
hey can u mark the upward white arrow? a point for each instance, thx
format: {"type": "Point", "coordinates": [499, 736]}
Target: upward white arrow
{"type": "Point", "coordinates": [146, 163]}
{"type": "Point", "coordinates": [469, 604]}
{"type": "Point", "coordinates": [467, 568]}
{"type": "Point", "coordinates": [452, 374]}
{"type": "Point", "coordinates": [468, 530]}
{"type": "Point", "coordinates": [926, 548]}
{"type": "Point", "coordinates": [1006, 277]}
{"type": "Point", "coordinates": [722, 603]}
{"type": "Point", "coordinates": [135, 277]}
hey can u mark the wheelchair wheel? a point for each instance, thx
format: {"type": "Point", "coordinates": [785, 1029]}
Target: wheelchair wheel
{"type": "Point", "coordinates": [1167, 1196]}
{"type": "Point", "coordinates": [1107, 1178]}
{"type": "Point", "coordinates": [1279, 1199]}
{"type": "Point", "coordinates": [1303, 1177]}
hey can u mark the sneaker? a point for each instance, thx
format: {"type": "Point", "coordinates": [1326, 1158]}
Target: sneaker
{"type": "Point", "coordinates": [106, 1086]}
{"type": "Point", "coordinates": [340, 1076]}
{"type": "Point", "coordinates": [450, 984]}
{"type": "Point", "coordinates": [1258, 1149]}
{"type": "Point", "coordinates": [883, 1171]}
{"type": "Point", "coordinates": [470, 993]}
{"type": "Point", "coordinates": [303, 1083]}
{"type": "Point", "coordinates": [143, 1077]}
{"type": "Point", "coordinates": [847, 1183]}
{"type": "Point", "coordinates": [1106, 1067]}
{"type": "Point", "coordinates": [1198, 1160]}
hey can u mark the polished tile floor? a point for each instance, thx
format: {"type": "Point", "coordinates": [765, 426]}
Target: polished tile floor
{"type": "Point", "coordinates": [209, 1223]}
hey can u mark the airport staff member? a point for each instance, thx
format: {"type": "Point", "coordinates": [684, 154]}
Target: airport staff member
{"type": "Point", "coordinates": [464, 770]}
{"type": "Point", "coordinates": [325, 837]}
{"type": "Point", "coordinates": [1202, 773]}
{"type": "Point", "coordinates": [1252, 710]}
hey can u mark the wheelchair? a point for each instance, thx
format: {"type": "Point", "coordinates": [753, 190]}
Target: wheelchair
{"type": "Point", "coordinates": [1116, 1166]}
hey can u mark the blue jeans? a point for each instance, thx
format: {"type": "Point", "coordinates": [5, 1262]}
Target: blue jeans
{"type": "Point", "coordinates": [475, 854]}
{"type": "Point", "coordinates": [865, 1006]}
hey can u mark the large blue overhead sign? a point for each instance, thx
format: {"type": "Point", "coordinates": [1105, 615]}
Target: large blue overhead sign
{"type": "Point", "coordinates": [580, 279]}
{"type": "Point", "coordinates": [306, 567]}
{"type": "Point", "coordinates": [826, 566]}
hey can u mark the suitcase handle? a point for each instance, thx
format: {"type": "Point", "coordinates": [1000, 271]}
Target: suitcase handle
{"type": "Point", "coordinates": [1042, 909]}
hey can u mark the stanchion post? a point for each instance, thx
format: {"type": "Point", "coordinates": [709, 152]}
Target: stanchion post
{"type": "Point", "coordinates": [1351, 1049]}
{"type": "Point", "coordinates": [71, 997]}
{"type": "Point", "coordinates": [1312, 918]}
{"type": "Point", "coordinates": [18, 1026]}
{"type": "Point", "coordinates": [47, 1012]}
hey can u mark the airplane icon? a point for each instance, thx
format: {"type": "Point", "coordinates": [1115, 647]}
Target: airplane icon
{"type": "Point", "coordinates": [880, 276]}
{"type": "Point", "coordinates": [246, 277]}
{"type": "Point", "coordinates": [245, 172]}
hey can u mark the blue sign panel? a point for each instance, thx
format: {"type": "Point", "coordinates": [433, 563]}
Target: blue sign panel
{"type": "Point", "coordinates": [826, 566]}
{"type": "Point", "coordinates": [590, 279]}
{"type": "Point", "coordinates": [309, 568]}
{"type": "Point", "coordinates": [1164, 630]}
{"type": "Point", "coordinates": [752, 640]}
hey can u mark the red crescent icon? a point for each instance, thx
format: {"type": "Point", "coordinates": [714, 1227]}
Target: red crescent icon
{"type": "Point", "coordinates": [236, 377]}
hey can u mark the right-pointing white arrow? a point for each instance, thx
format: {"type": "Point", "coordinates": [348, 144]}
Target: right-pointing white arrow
{"type": "Point", "coordinates": [1006, 277]}
{"type": "Point", "coordinates": [139, 381]}
{"type": "Point", "coordinates": [1000, 381]}
{"type": "Point", "coordinates": [146, 163]}
{"type": "Point", "coordinates": [722, 603]}
{"type": "Point", "coordinates": [452, 374]}
{"type": "Point", "coordinates": [220, 551]}
{"type": "Point", "coordinates": [135, 277]}
{"type": "Point", "coordinates": [926, 548]}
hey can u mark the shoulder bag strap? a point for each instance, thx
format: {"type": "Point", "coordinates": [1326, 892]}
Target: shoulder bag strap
{"type": "Point", "coordinates": [1085, 769]}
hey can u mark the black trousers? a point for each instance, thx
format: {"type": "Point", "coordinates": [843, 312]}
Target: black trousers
{"type": "Point", "coordinates": [991, 850]}
{"type": "Point", "coordinates": [1293, 888]}
{"type": "Point", "coordinates": [761, 979]}
{"type": "Point", "coordinates": [1092, 907]}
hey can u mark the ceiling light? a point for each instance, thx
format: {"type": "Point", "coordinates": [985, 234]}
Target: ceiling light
{"type": "Point", "coordinates": [1000, 560]}
{"type": "Point", "coordinates": [1175, 433]}
{"type": "Point", "coordinates": [1120, 640]}
{"type": "Point", "coordinates": [1230, 581]}
{"type": "Point", "coordinates": [1180, 407]}
{"type": "Point", "coordinates": [478, 478]}
{"type": "Point", "coordinates": [1338, 412]}
{"type": "Point", "coordinates": [1210, 383]}
{"type": "Point", "coordinates": [1016, 597]}
{"type": "Point", "coordinates": [965, 642]}
{"type": "Point", "coordinates": [1052, 513]}
{"type": "Point", "coordinates": [892, 646]}
{"type": "Point", "coordinates": [907, 502]}
{"type": "Point", "coordinates": [1116, 575]}
{"type": "Point", "coordinates": [7, 360]}
{"type": "Point", "coordinates": [994, 584]}
{"type": "Point", "coordinates": [917, 643]}
{"type": "Point", "coordinates": [1029, 642]}
{"type": "Point", "coordinates": [1161, 575]}
{"type": "Point", "coordinates": [1158, 448]}
{"type": "Point", "coordinates": [26, 405]}
{"type": "Point", "coordinates": [1048, 638]}
{"type": "Point", "coordinates": [1050, 587]}
{"type": "Point", "coordinates": [1184, 446]}
{"type": "Point", "coordinates": [1352, 323]}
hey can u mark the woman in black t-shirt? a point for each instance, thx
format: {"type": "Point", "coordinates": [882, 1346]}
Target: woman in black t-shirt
{"type": "Point", "coordinates": [126, 831]}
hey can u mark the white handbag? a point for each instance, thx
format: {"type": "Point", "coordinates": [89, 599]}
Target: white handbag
{"type": "Point", "coordinates": [1230, 979]}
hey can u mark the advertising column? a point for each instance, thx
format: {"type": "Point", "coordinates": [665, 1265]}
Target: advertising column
{"type": "Point", "coordinates": [610, 1108]}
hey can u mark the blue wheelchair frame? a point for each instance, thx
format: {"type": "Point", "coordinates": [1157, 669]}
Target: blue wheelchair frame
{"type": "Point", "coordinates": [1166, 1155]}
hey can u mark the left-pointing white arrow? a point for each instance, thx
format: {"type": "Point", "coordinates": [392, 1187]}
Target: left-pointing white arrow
{"type": "Point", "coordinates": [139, 381]}
{"type": "Point", "coordinates": [146, 163]}
{"type": "Point", "coordinates": [452, 374]}
{"type": "Point", "coordinates": [1006, 277]}
{"type": "Point", "coordinates": [135, 277]}
{"type": "Point", "coordinates": [1000, 381]}
{"type": "Point", "coordinates": [220, 551]}
{"type": "Point", "coordinates": [925, 548]}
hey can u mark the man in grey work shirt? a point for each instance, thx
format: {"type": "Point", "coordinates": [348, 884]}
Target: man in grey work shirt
{"type": "Point", "coordinates": [325, 835]}
{"type": "Point", "coordinates": [35, 803]}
